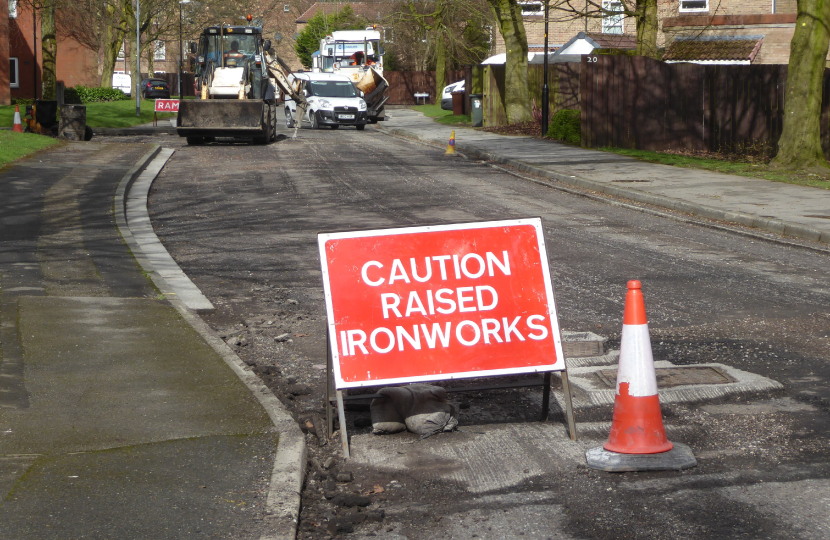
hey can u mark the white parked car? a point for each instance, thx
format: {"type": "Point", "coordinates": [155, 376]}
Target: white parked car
{"type": "Point", "coordinates": [332, 101]}
{"type": "Point", "coordinates": [123, 82]}
{"type": "Point", "coordinates": [446, 95]}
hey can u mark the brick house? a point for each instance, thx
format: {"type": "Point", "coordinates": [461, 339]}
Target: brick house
{"type": "Point", "coordinates": [707, 31]}
{"type": "Point", "coordinates": [82, 68]}
{"type": "Point", "coordinates": [730, 31]}
{"type": "Point", "coordinates": [6, 74]}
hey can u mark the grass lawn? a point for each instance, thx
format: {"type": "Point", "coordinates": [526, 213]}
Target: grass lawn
{"type": "Point", "coordinates": [109, 114]}
{"type": "Point", "coordinates": [121, 113]}
{"type": "Point", "coordinates": [754, 169]}
{"type": "Point", "coordinates": [441, 116]}
{"type": "Point", "coordinates": [17, 145]}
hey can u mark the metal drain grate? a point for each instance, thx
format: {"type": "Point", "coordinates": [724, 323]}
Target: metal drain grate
{"type": "Point", "coordinates": [675, 376]}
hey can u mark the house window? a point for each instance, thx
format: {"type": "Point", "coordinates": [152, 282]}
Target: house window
{"type": "Point", "coordinates": [694, 5]}
{"type": "Point", "coordinates": [14, 75]}
{"type": "Point", "coordinates": [121, 52]}
{"type": "Point", "coordinates": [158, 50]}
{"type": "Point", "coordinates": [612, 17]}
{"type": "Point", "coordinates": [388, 35]}
{"type": "Point", "coordinates": [12, 9]}
{"type": "Point", "coordinates": [532, 8]}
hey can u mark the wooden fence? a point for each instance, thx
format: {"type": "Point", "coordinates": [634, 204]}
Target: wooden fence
{"type": "Point", "coordinates": [563, 89]}
{"type": "Point", "coordinates": [403, 85]}
{"type": "Point", "coordinates": [641, 103]}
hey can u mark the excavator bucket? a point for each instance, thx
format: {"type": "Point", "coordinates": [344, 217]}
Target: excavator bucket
{"type": "Point", "coordinates": [222, 118]}
{"type": "Point", "coordinates": [373, 86]}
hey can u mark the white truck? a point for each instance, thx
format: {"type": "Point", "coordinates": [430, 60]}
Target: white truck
{"type": "Point", "coordinates": [357, 54]}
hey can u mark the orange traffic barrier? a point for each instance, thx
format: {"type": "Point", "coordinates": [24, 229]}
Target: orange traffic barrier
{"type": "Point", "coordinates": [18, 125]}
{"type": "Point", "coordinates": [637, 425]}
{"type": "Point", "coordinates": [451, 146]}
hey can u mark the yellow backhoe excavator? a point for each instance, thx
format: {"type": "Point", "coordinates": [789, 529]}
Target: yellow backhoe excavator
{"type": "Point", "coordinates": [237, 84]}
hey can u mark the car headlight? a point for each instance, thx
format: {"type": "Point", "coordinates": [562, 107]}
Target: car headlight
{"type": "Point", "coordinates": [325, 104]}
{"type": "Point", "coordinates": [361, 106]}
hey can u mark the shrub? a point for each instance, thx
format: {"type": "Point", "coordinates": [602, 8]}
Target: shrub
{"type": "Point", "coordinates": [22, 102]}
{"type": "Point", "coordinates": [88, 94]}
{"type": "Point", "coordinates": [71, 96]}
{"type": "Point", "coordinates": [565, 126]}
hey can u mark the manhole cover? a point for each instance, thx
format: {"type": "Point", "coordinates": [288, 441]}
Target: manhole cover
{"type": "Point", "coordinates": [675, 376]}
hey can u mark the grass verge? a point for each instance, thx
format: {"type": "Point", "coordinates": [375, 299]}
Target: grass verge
{"type": "Point", "coordinates": [108, 114]}
{"type": "Point", "coordinates": [753, 169]}
{"type": "Point", "coordinates": [433, 111]}
{"type": "Point", "coordinates": [443, 117]}
{"type": "Point", "coordinates": [14, 146]}
{"type": "Point", "coordinates": [121, 113]}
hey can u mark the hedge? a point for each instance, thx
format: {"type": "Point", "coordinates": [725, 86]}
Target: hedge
{"type": "Point", "coordinates": [566, 126]}
{"type": "Point", "coordinates": [88, 94]}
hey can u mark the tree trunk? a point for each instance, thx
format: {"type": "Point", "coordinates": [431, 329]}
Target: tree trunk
{"type": "Point", "coordinates": [440, 64]}
{"type": "Point", "coordinates": [49, 44]}
{"type": "Point", "coordinates": [800, 142]}
{"type": "Point", "coordinates": [647, 28]}
{"type": "Point", "coordinates": [113, 38]}
{"type": "Point", "coordinates": [516, 94]}
{"type": "Point", "coordinates": [151, 59]}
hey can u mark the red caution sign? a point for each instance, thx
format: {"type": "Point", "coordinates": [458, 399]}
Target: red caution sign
{"type": "Point", "coordinates": [167, 105]}
{"type": "Point", "coordinates": [440, 302]}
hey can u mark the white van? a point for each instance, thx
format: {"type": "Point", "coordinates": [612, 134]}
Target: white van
{"type": "Point", "coordinates": [123, 82]}
{"type": "Point", "coordinates": [332, 101]}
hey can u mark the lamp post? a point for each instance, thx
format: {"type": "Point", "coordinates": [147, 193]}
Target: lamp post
{"type": "Point", "coordinates": [545, 110]}
{"type": "Point", "coordinates": [137, 58]}
{"type": "Point", "coordinates": [181, 48]}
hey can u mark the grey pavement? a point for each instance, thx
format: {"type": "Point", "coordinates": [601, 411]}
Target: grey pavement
{"type": "Point", "coordinates": [773, 207]}
{"type": "Point", "coordinates": [121, 414]}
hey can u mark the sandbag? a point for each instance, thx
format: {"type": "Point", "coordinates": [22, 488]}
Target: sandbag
{"type": "Point", "coordinates": [419, 408]}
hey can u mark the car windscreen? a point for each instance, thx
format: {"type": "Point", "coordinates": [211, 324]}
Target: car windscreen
{"type": "Point", "coordinates": [343, 89]}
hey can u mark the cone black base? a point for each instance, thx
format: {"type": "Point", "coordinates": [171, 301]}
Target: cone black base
{"type": "Point", "coordinates": [678, 458]}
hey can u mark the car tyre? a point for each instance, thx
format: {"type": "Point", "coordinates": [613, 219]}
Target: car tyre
{"type": "Point", "coordinates": [361, 127]}
{"type": "Point", "coordinates": [334, 126]}
{"type": "Point", "coordinates": [312, 116]}
{"type": "Point", "coordinates": [289, 121]}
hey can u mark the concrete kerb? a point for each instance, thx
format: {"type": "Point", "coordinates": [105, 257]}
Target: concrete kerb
{"type": "Point", "coordinates": [285, 490]}
{"type": "Point", "coordinates": [771, 225]}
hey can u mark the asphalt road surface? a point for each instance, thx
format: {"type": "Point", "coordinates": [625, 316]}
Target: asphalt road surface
{"type": "Point", "coordinates": [242, 220]}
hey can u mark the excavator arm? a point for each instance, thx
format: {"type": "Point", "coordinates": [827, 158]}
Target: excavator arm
{"type": "Point", "coordinates": [279, 72]}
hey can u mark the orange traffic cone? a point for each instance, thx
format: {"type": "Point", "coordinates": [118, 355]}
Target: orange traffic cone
{"type": "Point", "coordinates": [18, 125]}
{"type": "Point", "coordinates": [637, 426]}
{"type": "Point", "coordinates": [451, 146]}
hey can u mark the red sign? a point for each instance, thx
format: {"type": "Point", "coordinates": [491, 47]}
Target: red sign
{"type": "Point", "coordinates": [437, 303]}
{"type": "Point", "coordinates": [167, 105]}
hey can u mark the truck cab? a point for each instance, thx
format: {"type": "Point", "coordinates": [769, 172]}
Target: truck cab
{"type": "Point", "coordinates": [349, 52]}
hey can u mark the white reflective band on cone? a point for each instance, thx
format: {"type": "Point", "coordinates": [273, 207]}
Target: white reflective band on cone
{"type": "Point", "coordinates": [636, 365]}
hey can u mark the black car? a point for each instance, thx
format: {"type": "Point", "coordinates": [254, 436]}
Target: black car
{"type": "Point", "coordinates": [155, 88]}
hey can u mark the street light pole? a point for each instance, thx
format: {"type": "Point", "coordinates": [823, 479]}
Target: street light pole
{"type": "Point", "coordinates": [181, 50]}
{"type": "Point", "coordinates": [137, 58]}
{"type": "Point", "coordinates": [545, 108]}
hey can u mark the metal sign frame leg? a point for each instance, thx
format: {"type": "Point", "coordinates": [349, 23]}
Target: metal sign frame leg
{"type": "Point", "coordinates": [569, 409]}
{"type": "Point", "coordinates": [338, 395]}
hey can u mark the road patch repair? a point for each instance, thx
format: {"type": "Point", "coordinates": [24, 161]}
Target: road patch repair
{"type": "Point", "coordinates": [482, 457]}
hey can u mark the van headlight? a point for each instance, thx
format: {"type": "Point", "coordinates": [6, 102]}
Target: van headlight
{"type": "Point", "coordinates": [361, 105]}
{"type": "Point", "coordinates": [325, 104]}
